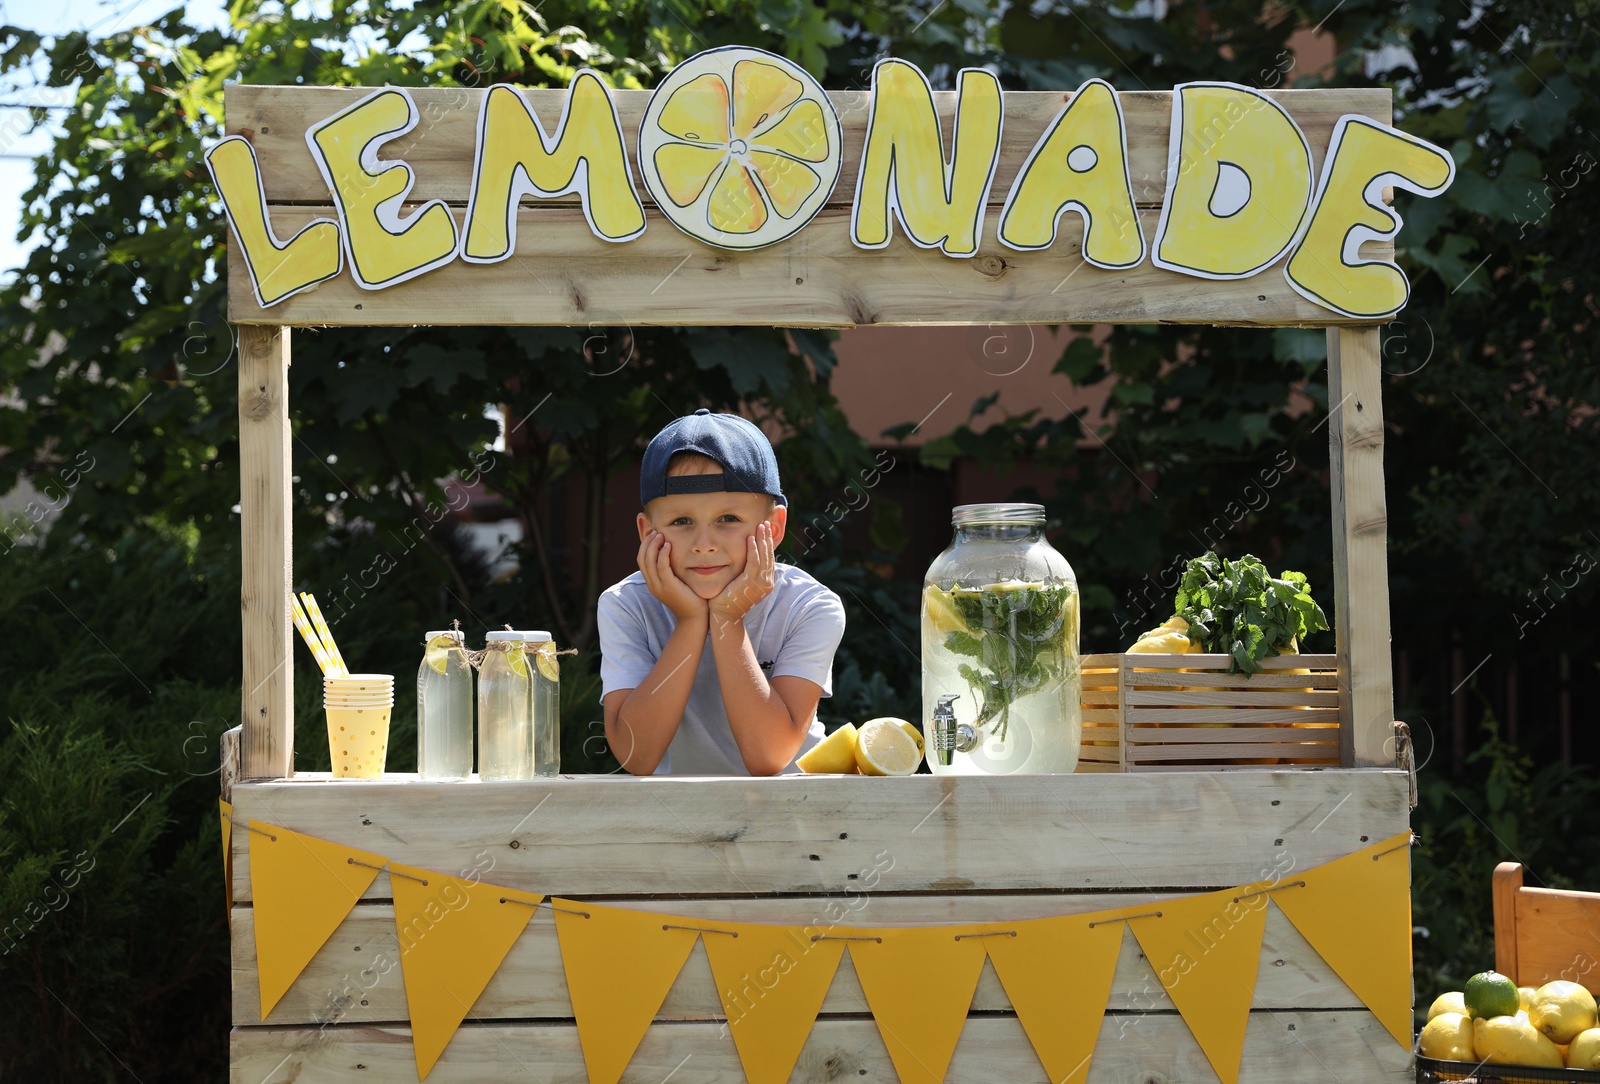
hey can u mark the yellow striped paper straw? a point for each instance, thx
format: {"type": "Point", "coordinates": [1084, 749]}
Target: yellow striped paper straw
{"type": "Point", "coordinates": [307, 634]}
{"type": "Point", "coordinates": [340, 669]}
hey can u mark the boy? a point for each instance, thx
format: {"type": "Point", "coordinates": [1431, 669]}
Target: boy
{"type": "Point", "coordinates": [713, 656]}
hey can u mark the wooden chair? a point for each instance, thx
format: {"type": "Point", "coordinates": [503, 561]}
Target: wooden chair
{"type": "Point", "coordinates": [1543, 934]}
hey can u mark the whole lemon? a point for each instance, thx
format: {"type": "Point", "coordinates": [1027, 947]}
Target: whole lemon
{"type": "Point", "coordinates": [1584, 1051]}
{"type": "Point", "coordinates": [1489, 994]}
{"type": "Point", "coordinates": [1562, 1010]}
{"type": "Point", "coordinates": [1448, 1037]}
{"type": "Point", "coordinates": [1449, 1002]}
{"type": "Point", "coordinates": [1506, 1040]}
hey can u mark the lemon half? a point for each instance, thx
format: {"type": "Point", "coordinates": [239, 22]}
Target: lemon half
{"type": "Point", "coordinates": [833, 755]}
{"type": "Point", "coordinates": [884, 748]}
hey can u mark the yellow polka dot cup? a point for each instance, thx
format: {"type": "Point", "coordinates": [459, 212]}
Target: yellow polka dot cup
{"type": "Point", "coordinates": [358, 709]}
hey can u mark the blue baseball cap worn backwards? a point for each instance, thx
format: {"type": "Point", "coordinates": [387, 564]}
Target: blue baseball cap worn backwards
{"type": "Point", "coordinates": [748, 465]}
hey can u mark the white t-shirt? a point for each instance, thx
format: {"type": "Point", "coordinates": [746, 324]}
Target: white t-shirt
{"type": "Point", "coordinates": [794, 630]}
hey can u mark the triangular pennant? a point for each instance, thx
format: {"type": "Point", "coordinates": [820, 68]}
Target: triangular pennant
{"type": "Point", "coordinates": [1206, 950]}
{"type": "Point", "coordinates": [454, 934]}
{"type": "Point", "coordinates": [1356, 912]}
{"type": "Point", "coordinates": [619, 966]}
{"type": "Point", "coordinates": [772, 980]}
{"type": "Point", "coordinates": [303, 887]}
{"type": "Point", "coordinates": [1058, 973]}
{"type": "Point", "coordinates": [227, 856]}
{"type": "Point", "coordinates": [919, 984]}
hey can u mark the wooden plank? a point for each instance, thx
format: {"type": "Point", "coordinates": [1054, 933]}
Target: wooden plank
{"type": "Point", "coordinates": [1202, 663]}
{"type": "Point", "coordinates": [1279, 1047]}
{"type": "Point", "coordinates": [559, 274]}
{"type": "Point", "coordinates": [1148, 754]}
{"type": "Point", "coordinates": [1224, 735]}
{"type": "Point", "coordinates": [712, 836]}
{"type": "Point", "coordinates": [440, 148]}
{"type": "Point", "coordinates": [354, 978]}
{"type": "Point", "coordinates": [230, 761]}
{"type": "Point", "coordinates": [267, 747]}
{"type": "Point", "coordinates": [1143, 698]}
{"type": "Point", "coordinates": [1329, 680]}
{"type": "Point", "coordinates": [1230, 716]}
{"type": "Point", "coordinates": [1558, 937]}
{"type": "Point", "coordinates": [1507, 880]}
{"type": "Point", "coordinates": [1360, 546]}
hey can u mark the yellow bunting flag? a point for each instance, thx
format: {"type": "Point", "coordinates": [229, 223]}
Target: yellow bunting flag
{"type": "Point", "coordinates": [1057, 973]}
{"type": "Point", "coordinates": [454, 934]}
{"type": "Point", "coordinates": [772, 980]}
{"type": "Point", "coordinates": [1356, 912]}
{"type": "Point", "coordinates": [303, 888]}
{"type": "Point", "coordinates": [227, 856]}
{"type": "Point", "coordinates": [619, 966]}
{"type": "Point", "coordinates": [919, 985]}
{"type": "Point", "coordinates": [1206, 950]}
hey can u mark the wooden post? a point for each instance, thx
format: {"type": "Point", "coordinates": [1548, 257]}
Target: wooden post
{"type": "Point", "coordinates": [267, 749]}
{"type": "Point", "coordinates": [1507, 882]}
{"type": "Point", "coordinates": [1360, 548]}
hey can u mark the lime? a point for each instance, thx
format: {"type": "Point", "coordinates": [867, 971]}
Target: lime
{"type": "Point", "coordinates": [1489, 994]}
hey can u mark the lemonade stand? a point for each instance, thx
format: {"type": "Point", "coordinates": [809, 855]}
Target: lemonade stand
{"type": "Point", "coordinates": [1188, 922]}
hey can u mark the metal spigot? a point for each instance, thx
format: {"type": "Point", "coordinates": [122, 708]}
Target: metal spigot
{"type": "Point", "coordinates": [949, 736]}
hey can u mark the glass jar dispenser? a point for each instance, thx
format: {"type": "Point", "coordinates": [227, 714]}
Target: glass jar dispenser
{"type": "Point", "coordinates": [1000, 682]}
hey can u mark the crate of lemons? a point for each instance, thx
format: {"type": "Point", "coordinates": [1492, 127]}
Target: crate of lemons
{"type": "Point", "coordinates": [885, 746]}
{"type": "Point", "coordinates": [1495, 1021]}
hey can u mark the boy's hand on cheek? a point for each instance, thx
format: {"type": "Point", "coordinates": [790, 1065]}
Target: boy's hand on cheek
{"type": "Point", "coordinates": [655, 561]}
{"type": "Point", "coordinates": [754, 583]}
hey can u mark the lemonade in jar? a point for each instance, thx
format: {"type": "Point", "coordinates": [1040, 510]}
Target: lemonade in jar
{"type": "Point", "coordinates": [1000, 647]}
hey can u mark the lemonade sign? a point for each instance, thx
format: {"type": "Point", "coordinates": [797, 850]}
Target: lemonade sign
{"type": "Point", "coordinates": [741, 149]}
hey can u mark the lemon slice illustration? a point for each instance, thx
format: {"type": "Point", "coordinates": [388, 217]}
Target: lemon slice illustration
{"type": "Point", "coordinates": [739, 147]}
{"type": "Point", "coordinates": [549, 666]}
{"type": "Point", "coordinates": [518, 661]}
{"type": "Point", "coordinates": [438, 652]}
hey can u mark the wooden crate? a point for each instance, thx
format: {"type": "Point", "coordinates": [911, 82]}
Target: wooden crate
{"type": "Point", "coordinates": [796, 849]}
{"type": "Point", "coordinates": [1544, 934]}
{"type": "Point", "coordinates": [1144, 713]}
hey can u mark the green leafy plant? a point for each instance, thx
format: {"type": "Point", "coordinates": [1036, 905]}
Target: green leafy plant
{"type": "Point", "coordinates": [1239, 609]}
{"type": "Point", "coordinates": [1017, 635]}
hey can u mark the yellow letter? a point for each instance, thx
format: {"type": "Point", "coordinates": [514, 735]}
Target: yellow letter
{"type": "Point", "coordinates": [277, 270]}
{"type": "Point", "coordinates": [1080, 164]}
{"type": "Point", "coordinates": [1238, 183]}
{"type": "Point", "coordinates": [1363, 157]}
{"type": "Point", "coordinates": [384, 248]}
{"type": "Point", "coordinates": [903, 165]}
{"type": "Point", "coordinates": [515, 158]}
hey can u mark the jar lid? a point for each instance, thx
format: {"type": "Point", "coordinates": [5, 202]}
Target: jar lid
{"type": "Point", "coordinates": [536, 637]}
{"type": "Point", "coordinates": [503, 637]}
{"type": "Point", "coordinates": [455, 634]}
{"type": "Point", "coordinates": [968, 514]}
{"type": "Point", "coordinates": [518, 636]}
